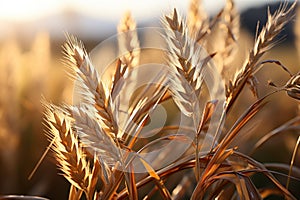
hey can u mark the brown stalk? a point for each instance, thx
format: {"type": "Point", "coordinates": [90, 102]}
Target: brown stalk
{"type": "Point", "coordinates": [209, 109]}
{"type": "Point", "coordinates": [221, 152]}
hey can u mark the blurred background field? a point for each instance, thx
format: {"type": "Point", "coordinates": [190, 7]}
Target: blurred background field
{"type": "Point", "coordinates": [31, 67]}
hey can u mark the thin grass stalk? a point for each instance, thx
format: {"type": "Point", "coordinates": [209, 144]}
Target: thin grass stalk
{"type": "Point", "coordinates": [292, 163]}
{"type": "Point", "coordinates": [292, 124]}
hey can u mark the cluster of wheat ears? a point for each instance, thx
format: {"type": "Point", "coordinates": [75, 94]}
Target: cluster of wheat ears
{"type": "Point", "coordinates": [94, 148]}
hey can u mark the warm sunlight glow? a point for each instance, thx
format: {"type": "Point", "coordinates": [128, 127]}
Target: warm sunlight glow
{"type": "Point", "coordinates": [25, 10]}
{"type": "Point", "coordinates": [28, 9]}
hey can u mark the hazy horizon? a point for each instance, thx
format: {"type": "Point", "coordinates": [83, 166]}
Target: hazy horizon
{"type": "Point", "coordinates": [30, 10]}
{"type": "Point", "coordinates": [91, 19]}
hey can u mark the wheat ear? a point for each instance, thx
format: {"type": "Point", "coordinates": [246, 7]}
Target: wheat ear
{"type": "Point", "coordinates": [128, 41]}
{"type": "Point", "coordinates": [221, 36]}
{"type": "Point", "coordinates": [263, 42]}
{"type": "Point", "coordinates": [94, 137]}
{"type": "Point", "coordinates": [68, 152]}
{"type": "Point", "coordinates": [197, 21]}
{"type": "Point", "coordinates": [184, 59]}
{"type": "Point", "coordinates": [231, 20]}
{"type": "Point", "coordinates": [187, 60]}
{"type": "Point", "coordinates": [90, 85]}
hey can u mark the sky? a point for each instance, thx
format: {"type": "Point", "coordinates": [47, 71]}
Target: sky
{"type": "Point", "coordinates": [27, 10]}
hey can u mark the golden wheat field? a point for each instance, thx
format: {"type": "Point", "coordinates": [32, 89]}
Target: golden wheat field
{"type": "Point", "coordinates": [212, 113]}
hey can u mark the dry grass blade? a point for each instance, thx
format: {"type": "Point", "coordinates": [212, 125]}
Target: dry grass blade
{"type": "Point", "coordinates": [250, 112]}
{"type": "Point", "coordinates": [221, 152]}
{"type": "Point", "coordinates": [263, 42]}
{"type": "Point", "coordinates": [158, 181]}
{"type": "Point", "coordinates": [292, 124]}
{"type": "Point", "coordinates": [181, 138]}
{"type": "Point", "coordinates": [213, 165]}
{"type": "Point", "coordinates": [283, 190]}
{"type": "Point", "coordinates": [71, 158]}
{"type": "Point", "coordinates": [257, 167]}
{"type": "Point", "coordinates": [208, 111]}
{"type": "Point", "coordinates": [244, 186]}
{"type": "Point", "coordinates": [130, 183]}
{"type": "Point", "coordinates": [284, 167]}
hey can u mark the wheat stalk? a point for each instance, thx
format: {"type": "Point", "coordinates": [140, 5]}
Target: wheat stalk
{"type": "Point", "coordinates": [231, 20]}
{"type": "Point", "coordinates": [263, 42]}
{"type": "Point", "coordinates": [187, 60]}
{"type": "Point", "coordinates": [94, 127]}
